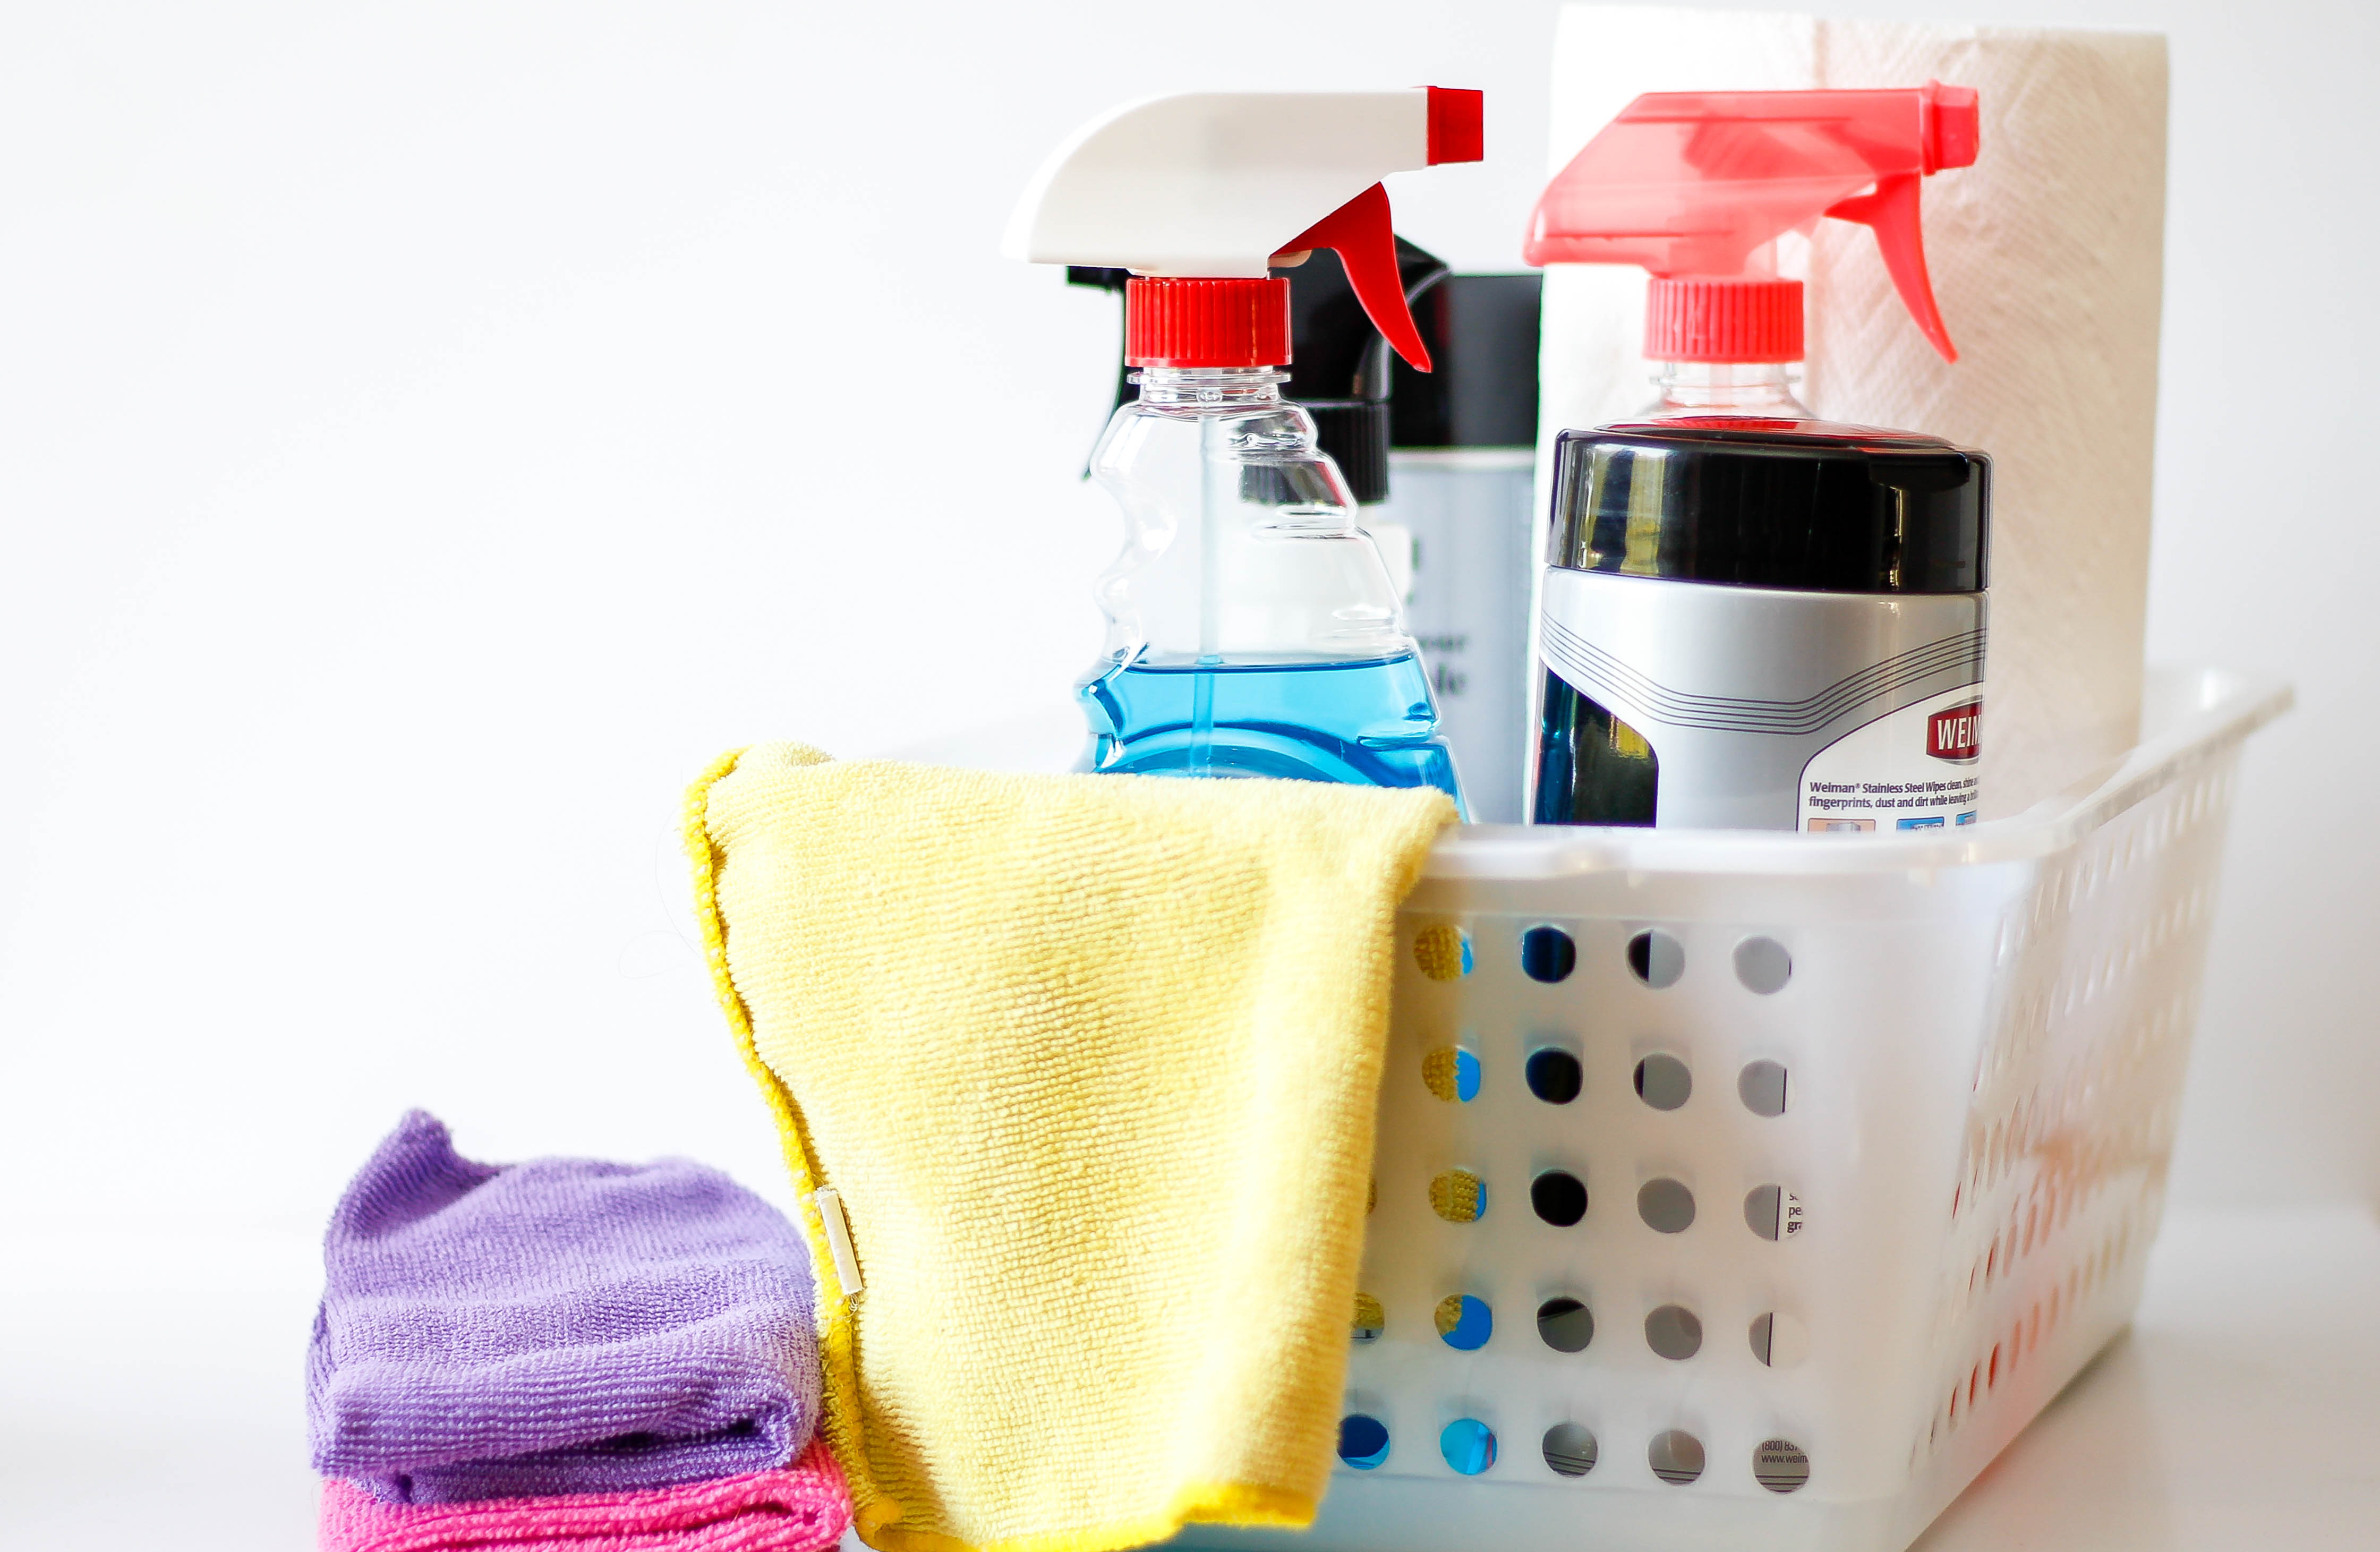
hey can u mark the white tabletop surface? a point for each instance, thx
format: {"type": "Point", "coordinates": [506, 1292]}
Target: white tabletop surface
{"type": "Point", "coordinates": [149, 1399]}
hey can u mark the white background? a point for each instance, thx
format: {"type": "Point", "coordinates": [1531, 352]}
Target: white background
{"type": "Point", "coordinates": [430, 432]}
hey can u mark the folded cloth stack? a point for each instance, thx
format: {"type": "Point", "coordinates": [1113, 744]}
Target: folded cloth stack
{"type": "Point", "coordinates": [564, 1353]}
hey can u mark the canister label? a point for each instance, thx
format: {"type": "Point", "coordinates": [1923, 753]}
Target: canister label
{"type": "Point", "coordinates": [1757, 708]}
{"type": "Point", "coordinates": [1910, 770]}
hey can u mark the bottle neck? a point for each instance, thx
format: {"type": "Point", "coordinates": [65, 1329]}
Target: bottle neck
{"type": "Point", "coordinates": [1759, 389]}
{"type": "Point", "coordinates": [1210, 387]}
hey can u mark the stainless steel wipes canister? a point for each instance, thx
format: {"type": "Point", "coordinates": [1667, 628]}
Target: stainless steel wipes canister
{"type": "Point", "coordinates": [1765, 625]}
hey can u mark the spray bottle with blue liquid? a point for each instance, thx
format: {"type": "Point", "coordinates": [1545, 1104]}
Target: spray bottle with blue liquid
{"type": "Point", "coordinates": [1253, 629]}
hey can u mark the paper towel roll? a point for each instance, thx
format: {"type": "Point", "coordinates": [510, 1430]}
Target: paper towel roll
{"type": "Point", "coordinates": [2047, 257]}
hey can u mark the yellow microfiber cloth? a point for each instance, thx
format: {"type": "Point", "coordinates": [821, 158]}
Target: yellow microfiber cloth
{"type": "Point", "coordinates": [1090, 1062]}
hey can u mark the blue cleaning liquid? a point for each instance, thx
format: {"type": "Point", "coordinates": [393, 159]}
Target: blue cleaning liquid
{"type": "Point", "coordinates": [1369, 723]}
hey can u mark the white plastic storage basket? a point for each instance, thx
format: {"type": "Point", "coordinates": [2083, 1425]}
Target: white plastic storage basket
{"type": "Point", "coordinates": [1811, 1168]}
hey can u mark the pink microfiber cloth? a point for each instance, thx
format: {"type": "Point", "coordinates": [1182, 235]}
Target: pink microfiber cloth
{"type": "Point", "coordinates": [800, 1508]}
{"type": "Point", "coordinates": [563, 1325]}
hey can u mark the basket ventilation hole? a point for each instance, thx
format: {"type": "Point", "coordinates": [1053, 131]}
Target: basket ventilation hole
{"type": "Point", "coordinates": [1763, 966]}
{"type": "Point", "coordinates": [1363, 1441]}
{"type": "Point", "coordinates": [1676, 1457]}
{"type": "Point", "coordinates": [1664, 1082]}
{"type": "Point", "coordinates": [1548, 954]}
{"type": "Point", "coordinates": [1452, 1072]}
{"type": "Point", "coordinates": [1459, 1197]}
{"type": "Point", "coordinates": [1570, 1449]}
{"type": "Point", "coordinates": [1558, 1197]}
{"type": "Point", "coordinates": [1468, 1445]}
{"type": "Point", "coordinates": [1780, 1340]}
{"type": "Point", "coordinates": [1554, 1075]}
{"type": "Point", "coordinates": [1773, 1213]}
{"type": "Point", "coordinates": [1442, 952]}
{"type": "Point", "coordinates": [1566, 1325]}
{"type": "Point", "coordinates": [1761, 1086]}
{"type": "Point", "coordinates": [1657, 958]}
{"type": "Point", "coordinates": [1370, 1319]}
{"type": "Point", "coordinates": [1665, 1205]}
{"type": "Point", "coordinates": [1464, 1323]}
{"type": "Point", "coordinates": [1673, 1332]}
{"type": "Point", "coordinates": [1780, 1465]}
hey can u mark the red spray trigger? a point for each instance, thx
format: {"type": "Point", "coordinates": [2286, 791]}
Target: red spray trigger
{"type": "Point", "coordinates": [1363, 236]}
{"type": "Point", "coordinates": [1952, 128]}
{"type": "Point", "coordinates": [1890, 211]}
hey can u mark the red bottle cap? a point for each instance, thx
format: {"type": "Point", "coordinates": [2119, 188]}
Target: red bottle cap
{"type": "Point", "coordinates": [1171, 321]}
{"type": "Point", "coordinates": [1698, 319]}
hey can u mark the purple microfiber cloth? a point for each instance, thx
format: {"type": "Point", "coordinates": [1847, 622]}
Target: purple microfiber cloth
{"type": "Point", "coordinates": [563, 1326]}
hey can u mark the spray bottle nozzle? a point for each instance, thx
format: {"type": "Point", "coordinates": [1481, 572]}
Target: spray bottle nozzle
{"type": "Point", "coordinates": [1694, 185]}
{"type": "Point", "coordinates": [1361, 233]}
{"type": "Point", "coordinates": [1199, 195]}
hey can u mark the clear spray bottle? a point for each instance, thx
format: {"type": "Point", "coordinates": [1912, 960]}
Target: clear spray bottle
{"type": "Point", "coordinates": [1253, 629]}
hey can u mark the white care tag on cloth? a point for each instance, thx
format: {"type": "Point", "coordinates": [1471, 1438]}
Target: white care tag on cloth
{"type": "Point", "coordinates": [838, 1239]}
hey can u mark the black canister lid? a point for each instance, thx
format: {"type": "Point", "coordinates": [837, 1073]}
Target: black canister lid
{"type": "Point", "coordinates": [1482, 388]}
{"type": "Point", "coordinates": [1804, 505]}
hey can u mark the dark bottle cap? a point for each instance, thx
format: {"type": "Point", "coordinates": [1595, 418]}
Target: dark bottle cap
{"type": "Point", "coordinates": [1482, 334]}
{"type": "Point", "coordinates": [1339, 368]}
{"type": "Point", "coordinates": [1773, 504]}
